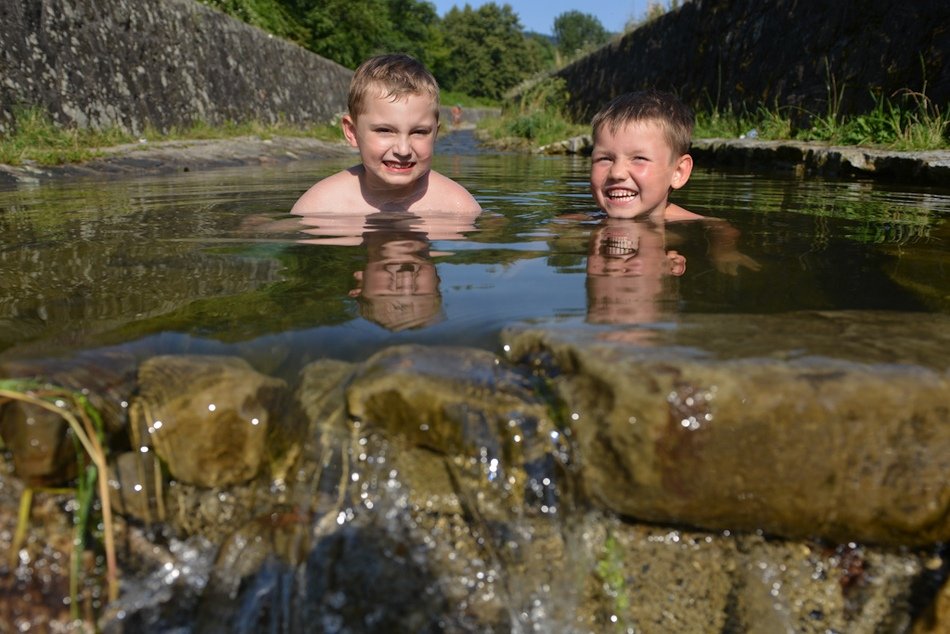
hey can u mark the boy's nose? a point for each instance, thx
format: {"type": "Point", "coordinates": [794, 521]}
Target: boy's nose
{"type": "Point", "coordinates": [618, 170]}
{"type": "Point", "coordinates": [402, 146]}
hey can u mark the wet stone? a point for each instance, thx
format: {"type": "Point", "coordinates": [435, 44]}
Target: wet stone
{"type": "Point", "coordinates": [206, 417]}
{"type": "Point", "coordinates": [793, 434]}
{"type": "Point", "coordinates": [661, 579]}
{"type": "Point", "coordinates": [39, 439]}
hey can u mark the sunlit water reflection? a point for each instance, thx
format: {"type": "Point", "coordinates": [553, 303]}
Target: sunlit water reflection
{"type": "Point", "coordinates": [213, 262]}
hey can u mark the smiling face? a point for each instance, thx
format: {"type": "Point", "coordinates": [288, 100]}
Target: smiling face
{"type": "Point", "coordinates": [633, 169]}
{"type": "Point", "coordinates": [395, 137]}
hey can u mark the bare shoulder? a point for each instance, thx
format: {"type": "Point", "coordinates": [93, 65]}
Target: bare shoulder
{"type": "Point", "coordinates": [337, 191]}
{"type": "Point", "coordinates": [675, 213]}
{"type": "Point", "coordinates": [444, 193]}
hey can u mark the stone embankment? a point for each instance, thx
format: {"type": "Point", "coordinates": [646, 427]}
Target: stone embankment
{"type": "Point", "coordinates": [802, 158]}
{"type": "Point", "coordinates": [161, 64]}
{"type": "Point", "coordinates": [804, 58]}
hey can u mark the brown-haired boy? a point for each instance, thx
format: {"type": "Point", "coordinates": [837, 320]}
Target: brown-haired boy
{"type": "Point", "coordinates": [393, 119]}
{"type": "Point", "coordinates": [641, 154]}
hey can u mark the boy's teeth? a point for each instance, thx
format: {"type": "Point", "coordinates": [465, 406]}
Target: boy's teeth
{"type": "Point", "coordinates": [621, 194]}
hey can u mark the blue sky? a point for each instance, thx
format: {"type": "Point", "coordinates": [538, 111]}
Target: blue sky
{"type": "Point", "coordinates": [538, 15]}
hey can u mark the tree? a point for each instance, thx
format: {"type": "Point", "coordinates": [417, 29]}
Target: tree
{"type": "Point", "coordinates": [488, 51]}
{"type": "Point", "coordinates": [416, 30]}
{"type": "Point", "coordinates": [270, 15]}
{"type": "Point", "coordinates": [576, 31]}
{"type": "Point", "coordinates": [347, 31]}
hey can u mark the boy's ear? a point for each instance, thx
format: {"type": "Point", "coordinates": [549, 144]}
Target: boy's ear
{"type": "Point", "coordinates": [682, 170]}
{"type": "Point", "coordinates": [677, 263]}
{"type": "Point", "coordinates": [349, 129]}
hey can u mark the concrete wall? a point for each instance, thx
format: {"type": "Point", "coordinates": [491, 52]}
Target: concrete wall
{"type": "Point", "coordinates": [746, 53]}
{"type": "Point", "coordinates": [132, 63]}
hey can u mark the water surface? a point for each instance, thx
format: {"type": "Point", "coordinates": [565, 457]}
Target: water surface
{"type": "Point", "coordinates": [212, 261]}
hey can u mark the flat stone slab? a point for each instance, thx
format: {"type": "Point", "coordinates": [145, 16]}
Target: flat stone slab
{"type": "Point", "coordinates": [828, 425]}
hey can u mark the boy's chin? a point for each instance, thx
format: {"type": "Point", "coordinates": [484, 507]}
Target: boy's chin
{"type": "Point", "coordinates": [625, 214]}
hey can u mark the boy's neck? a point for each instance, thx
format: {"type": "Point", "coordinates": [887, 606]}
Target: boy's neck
{"type": "Point", "coordinates": [389, 198]}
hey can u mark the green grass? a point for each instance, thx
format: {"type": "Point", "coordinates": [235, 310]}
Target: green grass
{"type": "Point", "coordinates": [909, 121]}
{"type": "Point", "coordinates": [534, 119]}
{"type": "Point", "coordinates": [38, 140]}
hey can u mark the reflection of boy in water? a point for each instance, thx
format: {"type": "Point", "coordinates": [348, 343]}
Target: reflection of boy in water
{"type": "Point", "coordinates": [630, 274]}
{"type": "Point", "coordinates": [399, 288]}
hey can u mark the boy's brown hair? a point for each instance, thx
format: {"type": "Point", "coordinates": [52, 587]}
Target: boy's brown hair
{"type": "Point", "coordinates": [397, 75]}
{"type": "Point", "coordinates": [663, 108]}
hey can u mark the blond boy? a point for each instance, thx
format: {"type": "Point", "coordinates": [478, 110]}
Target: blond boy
{"type": "Point", "coordinates": [640, 155]}
{"type": "Point", "coordinates": [393, 121]}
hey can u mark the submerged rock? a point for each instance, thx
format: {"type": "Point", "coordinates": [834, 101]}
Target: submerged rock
{"type": "Point", "coordinates": [795, 436]}
{"type": "Point", "coordinates": [207, 417]}
{"type": "Point", "coordinates": [43, 448]}
{"type": "Point", "coordinates": [450, 490]}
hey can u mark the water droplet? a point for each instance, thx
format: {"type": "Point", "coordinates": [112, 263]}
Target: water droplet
{"type": "Point", "coordinates": [255, 421]}
{"type": "Point", "coordinates": [575, 416]}
{"type": "Point", "coordinates": [211, 407]}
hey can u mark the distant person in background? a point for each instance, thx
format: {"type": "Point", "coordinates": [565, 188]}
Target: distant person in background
{"type": "Point", "coordinates": [457, 115]}
{"type": "Point", "coordinates": [393, 119]}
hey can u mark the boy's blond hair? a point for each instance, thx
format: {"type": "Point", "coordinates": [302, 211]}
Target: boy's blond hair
{"type": "Point", "coordinates": [398, 75]}
{"type": "Point", "coordinates": [672, 115]}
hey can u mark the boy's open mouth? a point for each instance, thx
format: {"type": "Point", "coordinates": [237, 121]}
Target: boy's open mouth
{"type": "Point", "coordinates": [621, 194]}
{"type": "Point", "coordinates": [399, 165]}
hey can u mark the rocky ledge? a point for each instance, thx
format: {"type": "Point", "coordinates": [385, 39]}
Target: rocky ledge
{"type": "Point", "coordinates": [180, 156]}
{"type": "Point", "coordinates": [803, 158]}
{"type": "Point", "coordinates": [778, 473]}
{"type": "Point", "coordinates": [813, 159]}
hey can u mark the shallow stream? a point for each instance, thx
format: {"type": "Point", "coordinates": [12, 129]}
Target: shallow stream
{"type": "Point", "coordinates": [212, 262]}
{"type": "Point", "coordinates": [777, 372]}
